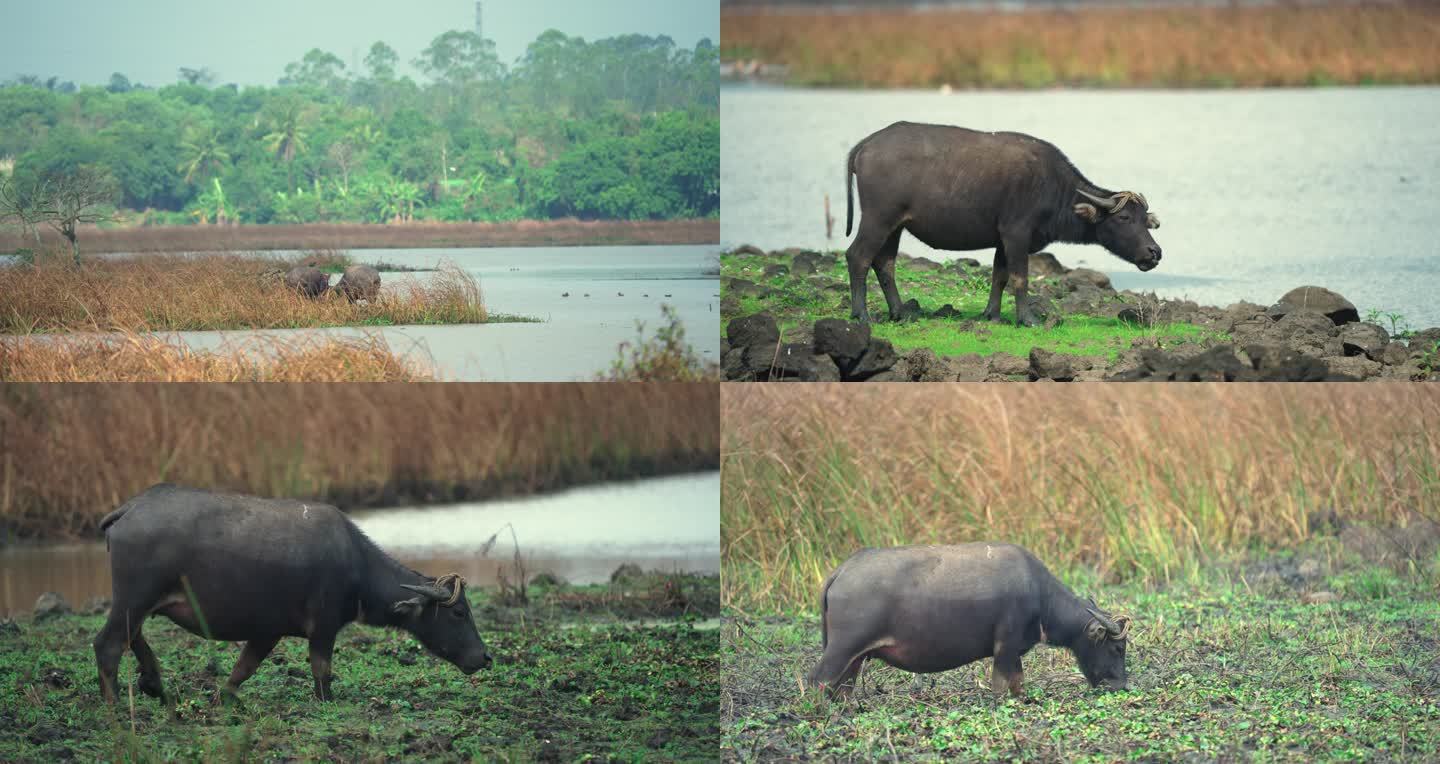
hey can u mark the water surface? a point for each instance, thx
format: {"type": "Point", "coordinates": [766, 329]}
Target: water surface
{"type": "Point", "coordinates": [581, 535]}
{"type": "Point", "coordinates": [1258, 191]}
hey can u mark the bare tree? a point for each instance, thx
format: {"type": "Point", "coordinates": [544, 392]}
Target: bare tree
{"type": "Point", "coordinates": [25, 204]}
{"type": "Point", "coordinates": [75, 198]}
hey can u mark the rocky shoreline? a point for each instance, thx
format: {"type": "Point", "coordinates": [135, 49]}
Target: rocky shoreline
{"type": "Point", "coordinates": [1309, 334]}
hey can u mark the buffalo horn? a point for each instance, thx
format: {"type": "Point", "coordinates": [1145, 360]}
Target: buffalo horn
{"type": "Point", "coordinates": [1117, 630]}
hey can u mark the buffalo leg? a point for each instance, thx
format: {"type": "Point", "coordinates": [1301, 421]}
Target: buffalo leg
{"type": "Point", "coordinates": [999, 276]}
{"type": "Point", "coordinates": [836, 668]}
{"type": "Point", "coordinates": [1018, 256]}
{"type": "Point", "coordinates": [1007, 674]}
{"type": "Point", "coordinates": [255, 653]}
{"type": "Point", "coordinates": [321, 648]}
{"type": "Point", "coordinates": [884, 267]}
{"type": "Point", "coordinates": [859, 258]}
{"type": "Point", "coordinates": [121, 629]}
{"type": "Point", "coordinates": [149, 683]}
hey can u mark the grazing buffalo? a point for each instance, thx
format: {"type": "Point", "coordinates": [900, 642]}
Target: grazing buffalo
{"type": "Point", "coordinates": [934, 608]}
{"type": "Point", "coordinates": [360, 282]}
{"type": "Point", "coordinates": [959, 189]}
{"type": "Point", "coordinates": [235, 568]}
{"type": "Point", "coordinates": [308, 281]}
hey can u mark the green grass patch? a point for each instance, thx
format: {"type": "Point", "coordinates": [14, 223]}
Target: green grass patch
{"type": "Point", "coordinates": [573, 679]}
{"type": "Point", "coordinates": [1221, 667]}
{"type": "Point", "coordinates": [798, 301]}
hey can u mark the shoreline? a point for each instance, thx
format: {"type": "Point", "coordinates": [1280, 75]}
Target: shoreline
{"type": "Point", "coordinates": [359, 236]}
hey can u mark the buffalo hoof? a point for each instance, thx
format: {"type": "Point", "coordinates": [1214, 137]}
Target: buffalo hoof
{"type": "Point", "coordinates": [1026, 319]}
{"type": "Point", "coordinates": [230, 697]}
{"type": "Point", "coordinates": [151, 686]}
{"type": "Point", "coordinates": [993, 317]}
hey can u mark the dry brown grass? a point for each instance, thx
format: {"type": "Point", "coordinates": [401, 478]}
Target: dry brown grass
{"type": "Point", "coordinates": [71, 453]}
{"type": "Point", "coordinates": [1132, 481]}
{"type": "Point", "coordinates": [144, 358]}
{"type": "Point", "coordinates": [524, 233]}
{"type": "Point", "coordinates": [1259, 46]}
{"type": "Point", "coordinates": [212, 291]}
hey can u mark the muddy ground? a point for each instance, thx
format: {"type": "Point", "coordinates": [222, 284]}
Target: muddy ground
{"type": "Point", "coordinates": [622, 671]}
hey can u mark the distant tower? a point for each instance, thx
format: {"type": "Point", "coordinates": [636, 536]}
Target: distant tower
{"type": "Point", "coordinates": [478, 28]}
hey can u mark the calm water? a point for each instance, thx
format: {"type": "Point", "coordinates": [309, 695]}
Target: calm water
{"type": "Point", "coordinates": [1258, 191]}
{"type": "Point", "coordinates": [580, 335]}
{"type": "Point", "coordinates": [581, 535]}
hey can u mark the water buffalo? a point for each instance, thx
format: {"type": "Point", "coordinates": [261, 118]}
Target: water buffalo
{"type": "Point", "coordinates": [359, 282]}
{"type": "Point", "coordinates": [934, 608]}
{"type": "Point", "coordinates": [308, 281]}
{"type": "Point", "coordinates": [960, 189]}
{"type": "Point", "coordinates": [234, 568]}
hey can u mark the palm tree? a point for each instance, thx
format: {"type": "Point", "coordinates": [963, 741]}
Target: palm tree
{"type": "Point", "coordinates": [287, 136]}
{"type": "Point", "coordinates": [206, 153]}
{"type": "Point", "coordinates": [473, 191]}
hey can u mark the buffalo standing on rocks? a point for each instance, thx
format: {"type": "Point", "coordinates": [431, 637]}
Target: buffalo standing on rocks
{"type": "Point", "coordinates": [309, 282]}
{"type": "Point", "coordinates": [360, 282]}
{"type": "Point", "coordinates": [959, 189]}
{"type": "Point", "coordinates": [234, 568]}
{"type": "Point", "coordinates": [934, 608]}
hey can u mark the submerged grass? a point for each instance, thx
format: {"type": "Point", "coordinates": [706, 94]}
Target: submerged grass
{"type": "Point", "coordinates": [1221, 668]}
{"type": "Point", "coordinates": [162, 293]}
{"type": "Point", "coordinates": [1274, 45]}
{"type": "Point", "coordinates": [796, 303]}
{"type": "Point", "coordinates": [144, 358]}
{"type": "Point", "coordinates": [612, 689]}
{"type": "Point", "coordinates": [1140, 484]}
{"type": "Point", "coordinates": [350, 445]}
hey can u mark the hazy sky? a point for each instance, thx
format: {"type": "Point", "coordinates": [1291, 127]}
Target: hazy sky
{"type": "Point", "coordinates": [250, 41]}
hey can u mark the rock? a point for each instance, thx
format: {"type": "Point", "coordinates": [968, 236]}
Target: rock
{"type": "Point", "coordinates": [8, 628]}
{"type": "Point", "coordinates": [1008, 364]}
{"type": "Point", "coordinates": [1081, 277]}
{"type": "Point", "coordinates": [1273, 363]}
{"type": "Point", "coordinates": [729, 305]}
{"type": "Point", "coordinates": [732, 365]}
{"type": "Point", "coordinates": [1304, 322]}
{"type": "Point", "coordinates": [1084, 299]}
{"type": "Point", "coordinates": [771, 271]}
{"type": "Point", "coordinates": [807, 262]}
{"type": "Point", "coordinates": [1126, 314]}
{"type": "Point", "coordinates": [759, 360]}
{"type": "Point", "coordinates": [911, 310]}
{"type": "Point", "coordinates": [49, 605]}
{"type": "Point", "coordinates": [1362, 338]}
{"type": "Point", "coordinates": [1046, 364]}
{"type": "Point", "coordinates": [1243, 310]}
{"type": "Point", "coordinates": [1357, 366]}
{"type": "Point", "coordinates": [748, 331]}
{"type": "Point", "coordinates": [748, 249]}
{"type": "Point", "coordinates": [1044, 265]}
{"type": "Point", "coordinates": [793, 360]}
{"type": "Point", "coordinates": [823, 369]}
{"type": "Point", "coordinates": [925, 264]}
{"type": "Point", "coordinates": [971, 367]}
{"type": "Point", "coordinates": [359, 282]}
{"type": "Point", "coordinates": [946, 311]}
{"type": "Point", "coordinates": [879, 356]}
{"type": "Point", "coordinates": [1314, 299]}
{"type": "Point", "coordinates": [627, 572]}
{"type": "Point", "coordinates": [968, 262]}
{"type": "Point", "coordinates": [843, 341]}
{"type": "Point", "coordinates": [96, 606]}
{"type": "Point", "coordinates": [1319, 598]}
{"type": "Point", "coordinates": [1423, 343]}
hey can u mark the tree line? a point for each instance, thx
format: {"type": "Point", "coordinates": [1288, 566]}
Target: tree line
{"type": "Point", "coordinates": [620, 128]}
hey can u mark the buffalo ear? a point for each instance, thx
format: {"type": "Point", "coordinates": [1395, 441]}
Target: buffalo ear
{"type": "Point", "coordinates": [1096, 631]}
{"type": "Point", "coordinates": [410, 606]}
{"type": "Point", "coordinates": [1151, 221]}
{"type": "Point", "coordinates": [1087, 212]}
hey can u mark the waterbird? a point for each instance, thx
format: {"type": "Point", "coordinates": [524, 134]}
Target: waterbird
{"type": "Point", "coordinates": [667, 295]}
{"type": "Point", "coordinates": [587, 294]}
{"type": "Point", "coordinates": [564, 294]}
{"type": "Point", "coordinates": [644, 295]}
{"type": "Point", "coordinates": [619, 294]}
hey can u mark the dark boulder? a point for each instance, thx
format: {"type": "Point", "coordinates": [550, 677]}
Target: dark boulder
{"type": "Point", "coordinates": [1316, 299]}
{"type": "Point", "coordinates": [50, 605]}
{"type": "Point", "coordinates": [1044, 265]}
{"type": "Point", "coordinates": [1365, 339]}
{"type": "Point", "coordinates": [1047, 364]}
{"type": "Point", "coordinates": [757, 329]}
{"type": "Point", "coordinates": [1082, 277]}
{"type": "Point", "coordinates": [1008, 364]}
{"type": "Point", "coordinates": [946, 311]}
{"type": "Point", "coordinates": [879, 356]}
{"type": "Point", "coordinates": [843, 341]}
{"type": "Point", "coordinates": [747, 249]}
{"type": "Point", "coordinates": [771, 271]}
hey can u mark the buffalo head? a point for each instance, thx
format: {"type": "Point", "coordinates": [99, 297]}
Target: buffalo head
{"type": "Point", "coordinates": [1100, 651]}
{"type": "Point", "coordinates": [1122, 225]}
{"type": "Point", "coordinates": [440, 618]}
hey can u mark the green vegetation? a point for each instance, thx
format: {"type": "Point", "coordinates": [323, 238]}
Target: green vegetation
{"type": "Point", "coordinates": [797, 302]}
{"type": "Point", "coordinates": [1222, 667]}
{"type": "Point", "coordinates": [665, 357]}
{"type": "Point", "coordinates": [571, 680]}
{"type": "Point", "coordinates": [622, 128]}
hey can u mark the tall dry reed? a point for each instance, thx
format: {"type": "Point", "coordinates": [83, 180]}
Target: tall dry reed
{"type": "Point", "coordinates": [142, 358]}
{"type": "Point", "coordinates": [1135, 481]}
{"type": "Point", "coordinates": [523, 233]}
{"type": "Point", "coordinates": [202, 292]}
{"type": "Point", "coordinates": [1250, 46]}
{"type": "Point", "coordinates": [71, 453]}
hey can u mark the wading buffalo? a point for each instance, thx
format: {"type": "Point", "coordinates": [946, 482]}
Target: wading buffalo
{"type": "Point", "coordinates": [959, 189]}
{"type": "Point", "coordinates": [235, 568]}
{"type": "Point", "coordinates": [308, 281]}
{"type": "Point", "coordinates": [934, 608]}
{"type": "Point", "coordinates": [359, 282]}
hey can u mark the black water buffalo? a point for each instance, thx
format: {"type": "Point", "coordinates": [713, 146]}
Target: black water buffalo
{"type": "Point", "coordinates": [234, 568]}
{"type": "Point", "coordinates": [960, 189]}
{"type": "Point", "coordinates": [934, 608]}
{"type": "Point", "coordinates": [359, 282]}
{"type": "Point", "coordinates": [308, 281]}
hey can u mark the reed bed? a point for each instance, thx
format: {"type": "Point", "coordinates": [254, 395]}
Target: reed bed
{"type": "Point", "coordinates": [71, 453]}
{"type": "Point", "coordinates": [144, 358]}
{"type": "Point", "coordinates": [523, 233]}
{"type": "Point", "coordinates": [1138, 483]}
{"type": "Point", "coordinates": [1277, 45]}
{"type": "Point", "coordinates": [160, 293]}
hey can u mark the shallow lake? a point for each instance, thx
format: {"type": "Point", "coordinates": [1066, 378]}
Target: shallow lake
{"type": "Point", "coordinates": [1258, 191]}
{"type": "Point", "coordinates": [581, 535]}
{"type": "Point", "coordinates": [579, 336]}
